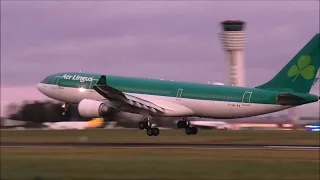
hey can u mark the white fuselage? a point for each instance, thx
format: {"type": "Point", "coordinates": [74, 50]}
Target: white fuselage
{"type": "Point", "coordinates": [196, 107]}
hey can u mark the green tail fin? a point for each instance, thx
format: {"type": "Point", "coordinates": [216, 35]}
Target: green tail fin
{"type": "Point", "coordinates": [299, 74]}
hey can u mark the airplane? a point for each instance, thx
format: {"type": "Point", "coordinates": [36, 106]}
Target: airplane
{"type": "Point", "coordinates": [98, 95]}
{"type": "Point", "coordinates": [94, 123]}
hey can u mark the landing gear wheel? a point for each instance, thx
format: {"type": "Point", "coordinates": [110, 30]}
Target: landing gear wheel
{"type": "Point", "coordinates": [140, 125]}
{"type": "Point", "coordinates": [149, 132]}
{"type": "Point", "coordinates": [143, 124]}
{"type": "Point", "coordinates": [147, 124]}
{"type": "Point", "coordinates": [181, 124]}
{"type": "Point", "coordinates": [188, 131]}
{"type": "Point", "coordinates": [191, 130]}
{"type": "Point", "coordinates": [194, 130]}
{"type": "Point", "coordinates": [155, 131]}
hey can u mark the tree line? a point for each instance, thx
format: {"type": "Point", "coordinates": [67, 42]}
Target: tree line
{"type": "Point", "coordinates": [40, 112]}
{"type": "Point", "coordinates": [34, 113]}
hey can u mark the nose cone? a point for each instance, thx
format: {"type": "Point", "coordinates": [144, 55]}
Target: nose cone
{"type": "Point", "coordinates": [40, 87]}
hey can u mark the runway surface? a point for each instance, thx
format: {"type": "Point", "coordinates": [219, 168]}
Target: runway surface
{"type": "Point", "coordinates": [160, 145]}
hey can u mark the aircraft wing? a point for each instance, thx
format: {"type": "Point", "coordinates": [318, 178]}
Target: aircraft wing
{"type": "Point", "coordinates": [153, 107]}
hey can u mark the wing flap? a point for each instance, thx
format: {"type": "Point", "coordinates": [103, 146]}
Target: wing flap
{"type": "Point", "coordinates": [144, 103]}
{"type": "Point", "coordinates": [114, 94]}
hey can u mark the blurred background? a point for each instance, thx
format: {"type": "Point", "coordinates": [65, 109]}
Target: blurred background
{"type": "Point", "coordinates": [163, 40]}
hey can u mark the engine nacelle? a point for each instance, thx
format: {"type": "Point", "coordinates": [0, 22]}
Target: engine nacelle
{"type": "Point", "coordinates": [92, 108]}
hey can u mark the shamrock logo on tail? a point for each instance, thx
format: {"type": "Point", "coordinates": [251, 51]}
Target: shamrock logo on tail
{"type": "Point", "coordinates": [303, 69]}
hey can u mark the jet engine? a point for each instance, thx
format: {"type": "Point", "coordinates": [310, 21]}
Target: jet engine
{"type": "Point", "coordinates": [92, 108]}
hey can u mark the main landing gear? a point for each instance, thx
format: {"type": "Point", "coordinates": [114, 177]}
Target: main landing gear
{"type": "Point", "coordinates": [190, 130]}
{"type": "Point", "coordinates": [146, 124]}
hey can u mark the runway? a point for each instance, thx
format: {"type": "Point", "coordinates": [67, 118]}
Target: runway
{"type": "Point", "coordinates": [160, 145]}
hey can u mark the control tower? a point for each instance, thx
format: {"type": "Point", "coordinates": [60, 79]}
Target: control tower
{"type": "Point", "coordinates": [233, 40]}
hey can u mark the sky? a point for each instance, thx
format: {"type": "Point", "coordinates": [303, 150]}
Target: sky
{"type": "Point", "coordinates": [163, 40]}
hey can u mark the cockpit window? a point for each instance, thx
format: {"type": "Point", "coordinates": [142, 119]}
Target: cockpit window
{"type": "Point", "coordinates": [48, 80]}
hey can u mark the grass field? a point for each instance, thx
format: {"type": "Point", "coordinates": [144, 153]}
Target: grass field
{"type": "Point", "coordinates": [166, 136]}
{"type": "Point", "coordinates": [149, 164]}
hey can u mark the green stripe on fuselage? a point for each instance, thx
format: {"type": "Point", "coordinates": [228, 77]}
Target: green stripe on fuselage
{"type": "Point", "coordinates": [191, 90]}
{"type": "Point", "coordinates": [166, 88]}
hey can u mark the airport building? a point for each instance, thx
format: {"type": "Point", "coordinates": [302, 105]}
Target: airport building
{"type": "Point", "coordinates": [233, 38]}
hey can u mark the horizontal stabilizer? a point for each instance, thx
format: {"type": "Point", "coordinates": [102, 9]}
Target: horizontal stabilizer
{"type": "Point", "coordinates": [289, 99]}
